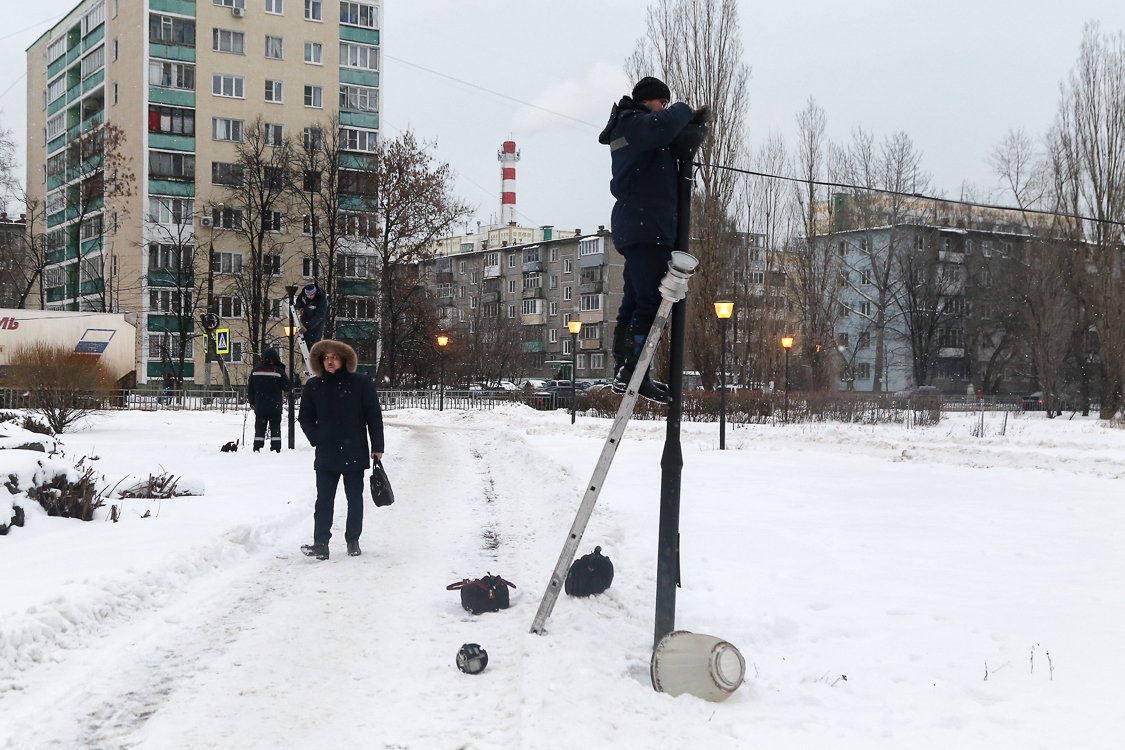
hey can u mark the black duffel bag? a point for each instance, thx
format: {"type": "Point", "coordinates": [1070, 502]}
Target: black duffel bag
{"type": "Point", "coordinates": [486, 594]}
{"type": "Point", "coordinates": [589, 574]}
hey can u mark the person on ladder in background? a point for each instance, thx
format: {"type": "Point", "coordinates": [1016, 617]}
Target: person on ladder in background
{"type": "Point", "coordinates": [266, 389]}
{"type": "Point", "coordinates": [639, 134]}
{"type": "Point", "coordinates": [312, 306]}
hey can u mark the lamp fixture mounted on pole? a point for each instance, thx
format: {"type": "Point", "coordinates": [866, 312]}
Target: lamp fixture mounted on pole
{"type": "Point", "coordinates": [575, 328]}
{"type": "Point", "coordinates": [442, 342]}
{"type": "Point", "coordinates": [723, 311]}
{"type": "Point", "coordinates": [786, 344]}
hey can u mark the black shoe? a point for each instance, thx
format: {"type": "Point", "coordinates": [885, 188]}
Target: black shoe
{"type": "Point", "coordinates": [650, 389]}
{"type": "Point", "coordinates": [354, 550]}
{"type": "Point", "coordinates": [319, 551]}
{"type": "Point", "coordinates": [257, 449]}
{"type": "Point", "coordinates": [276, 450]}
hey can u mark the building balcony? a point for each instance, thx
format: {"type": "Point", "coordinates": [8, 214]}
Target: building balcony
{"type": "Point", "coordinates": [951, 352]}
{"type": "Point", "coordinates": [592, 316]}
{"type": "Point", "coordinates": [536, 319]}
{"type": "Point", "coordinates": [585, 344]}
{"type": "Point", "coordinates": [489, 297]}
{"type": "Point", "coordinates": [534, 266]}
{"type": "Point", "coordinates": [491, 272]}
{"type": "Point", "coordinates": [590, 287]}
{"type": "Point", "coordinates": [536, 293]}
{"type": "Point", "coordinates": [444, 277]}
{"type": "Point", "coordinates": [946, 256]}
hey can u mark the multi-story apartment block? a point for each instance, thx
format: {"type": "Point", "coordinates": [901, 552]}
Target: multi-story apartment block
{"type": "Point", "coordinates": [136, 110]}
{"type": "Point", "coordinates": [506, 306]}
{"type": "Point", "coordinates": [13, 260]}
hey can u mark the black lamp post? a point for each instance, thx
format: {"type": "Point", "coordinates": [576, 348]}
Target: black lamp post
{"type": "Point", "coordinates": [575, 328]}
{"type": "Point", "coordinates": [723, 312]}
{"type": "Point", "coordinates": [290, 331]}
{"type": "Point", "coordinates": [442, 342]}
{"type": "Point", "coordinates": [787, 344]}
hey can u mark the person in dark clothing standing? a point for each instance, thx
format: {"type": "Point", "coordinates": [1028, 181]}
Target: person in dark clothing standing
{"type": "Point", "coordinates": [339, 413]}
{"type": "Point", "coordinates": [265, 390]}
{"type": "Point", "coordinates": [639, 134]}
{"type": "Point", "coordinates": [312, 306]}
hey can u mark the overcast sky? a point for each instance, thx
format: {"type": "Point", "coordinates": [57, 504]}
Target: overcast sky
{"type": "Point", "coordinates": [956, 76]}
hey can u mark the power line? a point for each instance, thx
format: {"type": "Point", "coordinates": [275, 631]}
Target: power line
{"type": "Point", "coordinates": [919, 196]}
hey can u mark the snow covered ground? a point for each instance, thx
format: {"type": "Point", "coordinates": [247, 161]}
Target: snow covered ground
{"type": "Point", "coordinates": [888, 587]}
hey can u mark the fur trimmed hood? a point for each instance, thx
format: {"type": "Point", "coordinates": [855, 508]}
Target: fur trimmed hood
{"type": "Point", "coordinates": [316, 355]}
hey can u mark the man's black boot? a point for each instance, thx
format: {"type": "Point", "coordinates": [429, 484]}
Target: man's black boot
{"type": "Point", "coordinates": [319, 551]}
{"type": "Point", "coordinates": [627, 348]}
{"type": "Point", "coordinates": [354, 550]}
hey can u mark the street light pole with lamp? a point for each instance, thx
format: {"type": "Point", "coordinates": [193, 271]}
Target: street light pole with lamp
{"type": "Point", "coordinates": [723, 311]}
{"type": "Point", "coordinates": [442, 342]}
{"type": "Point", "coordinates": [216, 212]}
{"type": "Point", "coordinates": [575, 328]}
{"type": "Point", "coordinates": [290, 332]}
{"type": "Point", "coordinates": [786, 344]}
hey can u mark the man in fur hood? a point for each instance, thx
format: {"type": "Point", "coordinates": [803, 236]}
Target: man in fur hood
{"type": "Point", "coordinates": [639, 134]}
{"type": "Point", "coordinates": [339, 414]}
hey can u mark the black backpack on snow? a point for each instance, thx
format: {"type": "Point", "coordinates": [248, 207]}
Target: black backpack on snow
{"type": "Point", "coordinates": [589, 574]}
{"type": "Point", "coordinates": [487, 594]}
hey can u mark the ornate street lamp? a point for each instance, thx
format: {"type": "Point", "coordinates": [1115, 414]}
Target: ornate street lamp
{"type": "Point", "coordinates": [723, 311]}
{"type": "Point", "coordinates": [575, 328]}
{"type": "Point", "coordinates": [786, 344]}
{"type": "Point", "coordinates": [442, 342]}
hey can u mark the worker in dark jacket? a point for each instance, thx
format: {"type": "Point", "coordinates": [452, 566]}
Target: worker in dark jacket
{"type": "Point", "coordinates": [312, 306]}
{"type": "Point", "coordinates": [339, 414]}
{"type": "Point", "coordinates": [639, 134]}
{"type": "Point", "coordinates": [265, 390]}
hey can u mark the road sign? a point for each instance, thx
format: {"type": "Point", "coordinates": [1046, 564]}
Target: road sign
{"type": "Point", "coordinates": [222, 341]}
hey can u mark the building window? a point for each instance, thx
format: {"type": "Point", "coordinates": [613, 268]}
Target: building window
{"type": "Point", "coordinates": [568, 266]}
{"type": "Point", "coordinates": [567, 293]}
{"type": "Point", "coordinates": [553, 336]}
{"type": "Point", "coordinates": [357, 267]}
{"type": "Point", "coordinates": [273, 47]}
{"type": "Point", "coordinates": [224, 40]}
{"type": "Point", "coordinates": [229, 3]}
{"type": "Point", "coordinates": [591, 302]}
{"type": "Point", "coordinates": [354, 139]}
{"type": "Point", "coordinates": [235, 353]}
{"type": "Point", "coordinates": [163, 257]}
{"type": "Point", "coordinates": [512, 286]}
{"type": "Point", "coordinates": [273, 92]}
{"type": "Point", "coordinates": [171, 120]}
{"type": "Point", "coordinates": [597, 361]}
{"type": "Point", "coordinates": [169, 30]}
{"type": "Point", "coordinates": [169, 210]}
{"type": "Point", "coordinates": [228, 85]}
{"type": "Point", "coordinates": [171, 75]}
{"type": "Point", "coordinates": [271, 222]}
{"type": "Point", "coordinates": [359, 98]}
{"type": "Point", "coordinates": [533, 281]}
{"type": "Point", "coordinates": [533, 307]}
{"type": "Point", "coordinates": [275, 134]}
{"type": "Point", "coordinates": [277, 7]}
{"type": "Point", "coordinates": [358, 14]}
{"type": "Point", "coordinates": [226, 263]}
{"type": "Point", "coordinates": [93, 62]}
{"type": "Point", "coordinates": [314, 10]}
{"type": "Point", "coordinates": [362, 56]}
{"type": "Point", "coordinates": [314, 96]}
{"type": "Point", "coordinates": [357, 308]}
{"type": "Point", "coordinates": [511, 311]}
{"type": "Point", "coordinates": [863, 371]}
{"type": "Point", "coordinates": [225, 129]}
{"type": "Point", "coordinates": [229, 307]}
{"type": "Point", "coordinates": [313, 139]}
{"type": "Point", "coordinates": [553, 309]}
{"type": "Point", "coordinates": [169, 300]}
{"type": "Point", "coordinates": [56, 126]}
{"type": "Point", "coordinates": [864, 341]}
{"type": "Point", "coordinates": [226, 218]}
{"type": "Point", "coordinates": [591, 332]}
{"type": "Point", "coordinates": [590, 246]}
{"type": "Point", "coordinates": [171, 165]}
{"type": "Point", "coordinates": [226, 173]}
{"type": "Point", "coordinates": [310, 268]}
{"type": "Point", "coordinates": [842, 338]}
{"type": "Point", "coordinates": [314, 53]}
{"type": "Point", "coordinates": [445, 289]}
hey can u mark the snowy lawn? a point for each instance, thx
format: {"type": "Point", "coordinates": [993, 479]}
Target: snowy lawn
{"type": "Point", "coordinates": [888, 587]}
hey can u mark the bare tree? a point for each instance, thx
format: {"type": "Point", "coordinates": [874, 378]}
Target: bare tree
{"type": "Point", "coordinates": [928, 300]}
{"type": "Point", "coordinates": [695, 46]}
{"type": "Point", "coordinates": [415, 207]}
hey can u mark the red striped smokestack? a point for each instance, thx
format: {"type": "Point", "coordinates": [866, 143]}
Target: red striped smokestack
{"type": "Point", "coordinates": [508, 155]}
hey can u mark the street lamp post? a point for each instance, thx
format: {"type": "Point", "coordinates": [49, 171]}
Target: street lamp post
{"type": "Point", "coordinates": [787, 344]}
{"type": "Point", "coordinates": [216, 212]}
{"type": "Point", "coordinates": [290, 332]}
{"type": "Point", "coordinates": [442, 342]}
{"type": "Point", "coordinates": [723, 312]}
{"type": "Point", "coordinates": [575, 328]}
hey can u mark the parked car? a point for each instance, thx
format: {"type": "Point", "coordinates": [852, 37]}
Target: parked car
{"type": "Point", "coordinates": [1036, 402]}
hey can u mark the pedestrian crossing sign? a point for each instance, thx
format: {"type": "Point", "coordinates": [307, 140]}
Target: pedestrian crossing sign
{"type": "Point", "coordinates": [222, 341]}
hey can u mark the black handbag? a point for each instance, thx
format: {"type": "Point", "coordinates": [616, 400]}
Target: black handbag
{"type": "Point", "coordinates": [381, 491]}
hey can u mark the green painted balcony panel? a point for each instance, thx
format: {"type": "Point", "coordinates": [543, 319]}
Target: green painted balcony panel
{"type": "Point", "coordinates": [171, 142]}
{"type": "Point", "coordinates": [92, 245]}
{"type": "Point", "coordinates": [56, 105]}
{"type": "Point", "coordinates": [356, 287]}
{"type": "Point", "coordinates": [353, 202]}
{"type": "Point", "coordinates": [93, 286]}
{"type": "Point", "coordinates": [158, 323]}
{"type": "Point", "coordinates": [364, 36]}
{"type": "Point", "coordinates": [56, 294]}
{"type": "Point", "coordinates": [157, 369]}
{"type": "Point", "coordinates": [93, 81]}
{"type": "Point", "coordinates": [170, 278]}
{"type": "Point", "coordinates": [93, 38]}
{"type": "Point", "coordinates": [56, 67]}
{"type": "Point", "coordinates": [357, 330]}
{"type": "Point", "coordinates": [73, 53]}
{"type": "Point", "coordinates": [56, 218]}
{"type": "Point", "coordinates": [531, 346]}
{"type": "Point", "coordinates": [56, 256]}
{"type": "Point", "coordinates": [182, 7]}
{"type": "Point", "coordinates": [356, 161]}
{"type": "Point", "coordinates": [360, 119]}
{"type": "Point", "coordinates": [56, 144]}
{"type": "Point", "coordinates": [176, 97]}
{"type": "Point", "coordinates": [359, 77]}
{"type": "Point", "coordinates": [54, 181]}
{"type": "Point", "coordinates": [171, 187]}
{"type": "Point", "coordinates": [180, 52]}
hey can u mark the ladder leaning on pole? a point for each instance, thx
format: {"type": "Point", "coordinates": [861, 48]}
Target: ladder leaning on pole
{"type": "Point", "coordinates": [673, 288]}
{"type": "Point", "coordinates": [296, 323]}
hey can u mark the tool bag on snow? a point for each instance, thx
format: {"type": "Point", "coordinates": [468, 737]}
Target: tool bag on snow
{"type": "Point", "coordinates": [486, 594]}
{"type": "Point", "coordinates": [589, 574]}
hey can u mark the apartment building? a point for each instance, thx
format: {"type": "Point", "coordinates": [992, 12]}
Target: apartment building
{"type": "Point", "coordinates": [506, 306]}
{"type": "Point", "coordinates": [136, 109]}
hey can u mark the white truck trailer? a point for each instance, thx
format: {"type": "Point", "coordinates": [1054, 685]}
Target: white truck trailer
{"type": "Point", "coordinates": [107, 336]}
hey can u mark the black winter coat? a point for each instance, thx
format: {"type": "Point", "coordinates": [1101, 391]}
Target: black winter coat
{"type": "Point", "coordinates": [339, 412]}
{"type": "Point", "coordinates": [313, 311]}
{"type": "Point", "coordinates": [266, 388]}
{"type": "Point", "coordinates": [644, 171]}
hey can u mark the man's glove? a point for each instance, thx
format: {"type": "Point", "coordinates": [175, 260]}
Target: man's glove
{"type": "Point", "coordinates": [702, 115]}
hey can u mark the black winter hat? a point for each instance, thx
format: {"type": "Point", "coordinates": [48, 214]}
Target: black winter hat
{"type": "Point", "coordinates": [271, 355]}
{"type": "Point", "coordinates": [650, 88]}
